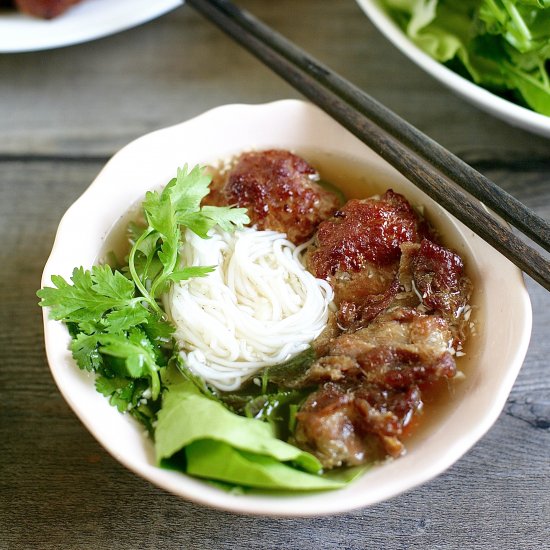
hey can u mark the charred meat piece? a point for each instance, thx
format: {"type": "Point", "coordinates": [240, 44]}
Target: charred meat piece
{"type": "Point", "coordinates": [280, 191]}
{"type": "Point", "coordinates": [358, 304]}
{"type": "Point", "coordinates": [358, 252]}
{"type": "Point", "coordinates": [369, 387]}
{"type": "Point", "coordinates": [347, 427]}
{"type": "Point", "coordinates": [400, 348]}
{"type": "Point", "coordinates": [46, 9]}
{"type": "Point", "coordinates": [387, 414]}
{"type": "Point", "coordinates": [365, 232]}
{"type": "Point", "coordinates": [437, 276]}
{"type": "Point", "coordinates": [329, 426]}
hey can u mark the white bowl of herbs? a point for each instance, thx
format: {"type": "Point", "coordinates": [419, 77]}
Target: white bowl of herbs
{"type": "Point", "coordinates": [493, 54]}
{"type": "Point", "coordinates": [113, 358]}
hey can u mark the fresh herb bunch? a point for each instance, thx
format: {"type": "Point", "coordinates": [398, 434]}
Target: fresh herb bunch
{"type": "Point", "coordinates": [503, 45]}
{"type": "Point", "coordinates": [118, 327]}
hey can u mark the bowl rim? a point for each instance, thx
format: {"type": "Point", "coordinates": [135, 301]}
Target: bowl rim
{"type": "Point", "coordinates": [510, 112]}
{"type": "Point", "coordinates": [295, 505]}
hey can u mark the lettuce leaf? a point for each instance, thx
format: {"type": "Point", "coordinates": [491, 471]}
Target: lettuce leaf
{"type": "Point", "coordinates": [216, 460]}
{"type": "Point", "coordinates": [503, 45]}
{"type": "Point", "coordinates": [220, 445]}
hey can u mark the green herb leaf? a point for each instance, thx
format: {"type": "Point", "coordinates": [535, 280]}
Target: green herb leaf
{"type": "Point", "coordinates": [159, 212]}
{"type": "Point", "coordinates": [125, 318]}
{"type": "Point", "coordinates": [196, 222]}
{"type": "Point", "coordinates": [147, 264]}
{"type": "Point", "coordinates": [189, 188]}
{"type": "Point", "coordinates": [89, 297]}
{"type": "Point", "coordinates": [158, 330]}
{"type": "Point", "coordinates": [85, 351]}
{"type": "Point", "coordinates": [134, 347]}
{"type": "Point", "coordinates": [191, 272]}
{"type": "Point", "coordinates": [120, 390]}
{"type": "Point", "coordinates": [112, 284]}
{"type": "Point", "coordinates": [228, 218]}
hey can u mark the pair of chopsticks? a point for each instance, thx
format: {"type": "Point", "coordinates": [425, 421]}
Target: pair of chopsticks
{"type": "Point", "coordinates": [444, 177]}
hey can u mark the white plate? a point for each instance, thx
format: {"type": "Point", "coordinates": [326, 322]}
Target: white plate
{"type": "Point", "coordinates": [86, 21]}
{"type": "Point", "coordinates": [503, 317]}
{"type": "Point", "coordinates": [485, 100]}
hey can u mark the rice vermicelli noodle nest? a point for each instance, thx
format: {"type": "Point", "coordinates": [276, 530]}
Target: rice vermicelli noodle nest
{"type": "Point", "coordinates": [259, 307]}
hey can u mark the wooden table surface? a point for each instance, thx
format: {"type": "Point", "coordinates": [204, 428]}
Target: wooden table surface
{"type": "Point", "coordinates": [63, 113]}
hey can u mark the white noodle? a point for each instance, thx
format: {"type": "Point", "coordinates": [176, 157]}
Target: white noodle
{"type": "Point", "coordinates": [259, 307]}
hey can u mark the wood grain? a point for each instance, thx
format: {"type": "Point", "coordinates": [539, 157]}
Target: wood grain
{"type": "Point", "coordinates": [62, 115]}
{"type": "Point", "coordinates": [110, 91]}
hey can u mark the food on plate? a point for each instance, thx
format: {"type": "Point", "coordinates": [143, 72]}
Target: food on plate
{"type": "Point", "coordinates": [503, 45]}
{"type": "Point", "coordinates": [257, 360]}
{"type": "Point", "coordinates": [45, 9]}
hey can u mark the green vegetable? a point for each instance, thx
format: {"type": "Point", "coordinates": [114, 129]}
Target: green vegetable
{"type": "Point", "coordinates": [277, 407]}
{"type": "Point", "coordinates": [220, 445]}
{"type": "Point", "coordinates": [119, 329]}
{"type": "Point", "coordinates": [270, 403]}
{"type": "Point", "coordinates": [503, 45]}
{"type": "Point", "coordinates": [167, 213]}
{"type": "Point", "coordinates": [108, 321]}
{"type": "Point", "coordinates": [216, 460]}
{"type": "Point", "coordinates": [293, 369]}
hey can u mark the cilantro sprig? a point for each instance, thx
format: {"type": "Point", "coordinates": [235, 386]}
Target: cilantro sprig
{"type": "Point", "coordinates": [118, 327]}
{"type": "Point", "coordinates": [167, 212]}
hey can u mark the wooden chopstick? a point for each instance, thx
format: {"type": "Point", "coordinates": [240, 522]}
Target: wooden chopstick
{"type": "Point", "coordinates": [428, 165]}
{"type": "Point", "coordinates": [495, 198]}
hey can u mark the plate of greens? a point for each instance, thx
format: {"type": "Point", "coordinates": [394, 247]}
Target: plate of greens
{"type": "Point", "coordinates": [494, 53]}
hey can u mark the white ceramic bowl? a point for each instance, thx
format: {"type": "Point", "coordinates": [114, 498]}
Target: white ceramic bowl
{"type": "Point", "coordinates": [502, 316]}
{"type": "Point", "coordinates": [489, 102]}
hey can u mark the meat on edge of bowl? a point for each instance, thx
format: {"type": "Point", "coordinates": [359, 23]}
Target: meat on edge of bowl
{"type": "Point", "coordinates": [400, 296]}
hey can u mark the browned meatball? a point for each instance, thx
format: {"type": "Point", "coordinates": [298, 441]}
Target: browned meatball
{"type": "Point", "coordinates": [358, 252]}
{"type": "Point", "coordinates": [46, 9]}
{"type": "Point", "coordinates": [365, 232]}
{"type": "Point", "coordinates": [280, 191]}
